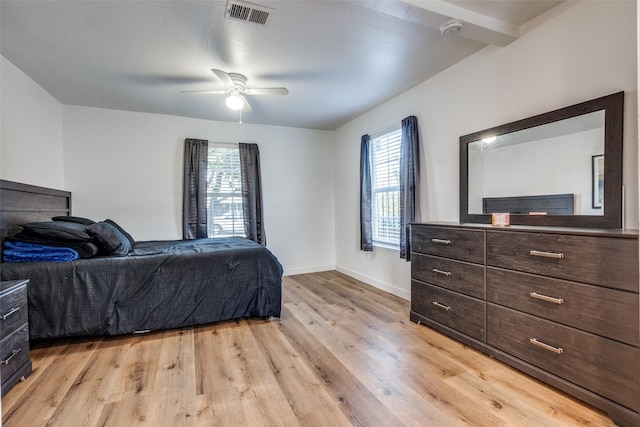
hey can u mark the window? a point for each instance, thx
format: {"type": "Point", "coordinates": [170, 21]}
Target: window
{"type": "Point", "coordinates": [224, 196]}
{"type": "Point", "coordinates": [385, 187]}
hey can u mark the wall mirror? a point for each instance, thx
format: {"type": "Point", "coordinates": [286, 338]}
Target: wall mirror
{"type": "Point", "coordinates": [562, 168]}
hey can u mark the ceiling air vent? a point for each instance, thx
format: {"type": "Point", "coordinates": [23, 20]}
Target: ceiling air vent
{"type": "Point", "coordinates": [247, 12]}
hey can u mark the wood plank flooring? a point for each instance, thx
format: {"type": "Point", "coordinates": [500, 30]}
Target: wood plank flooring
{"type": "Point", "coordinates": [342, 354]}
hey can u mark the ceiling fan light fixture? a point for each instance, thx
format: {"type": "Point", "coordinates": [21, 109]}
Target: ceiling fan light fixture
{"type": "Point", "coordinates": [234, 102]}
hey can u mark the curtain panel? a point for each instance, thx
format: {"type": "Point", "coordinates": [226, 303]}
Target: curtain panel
{"type": "Point", "coordinates": [409, 179]}
{"type": "Point", "coordinates": [366, 227]}
{"type": "Point", "coordinates": [194, 195]}
{"type": "Point", "coordinates": [252, 193]}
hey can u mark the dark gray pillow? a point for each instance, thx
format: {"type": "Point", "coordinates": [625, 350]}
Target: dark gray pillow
{"type": "Point", "coordinates": [57, 230]}
{"type": "Point", "coordinates": [120, 229]}
{"type": "Point", "coordinates": [78, 219]}
{"type": "Point", "coordinates": [109, 239]}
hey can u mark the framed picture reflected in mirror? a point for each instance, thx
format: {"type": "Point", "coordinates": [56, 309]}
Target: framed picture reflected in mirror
{"type": "Point", "coordinates": [597, 181]}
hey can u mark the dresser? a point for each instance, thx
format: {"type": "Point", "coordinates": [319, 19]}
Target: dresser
{"type": "Point", "coordinates": [561, 305]}
{"type": "Point", "coordinates": [14, 333]}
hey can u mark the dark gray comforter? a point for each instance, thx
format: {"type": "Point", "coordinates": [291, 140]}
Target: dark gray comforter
{"type": "Point", "coordinates": [159, 285]}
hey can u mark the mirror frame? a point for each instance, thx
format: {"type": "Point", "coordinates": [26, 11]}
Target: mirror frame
{"type": "Point", "coordinates": [613, 106]}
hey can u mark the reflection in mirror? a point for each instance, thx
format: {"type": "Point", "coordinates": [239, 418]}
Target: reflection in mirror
{"type": "Point", "coordinates": [554, 159]}
{"type": "Point", "coordinates": [562, 168]}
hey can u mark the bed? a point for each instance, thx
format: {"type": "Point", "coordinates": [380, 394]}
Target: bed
{"type": "Point", "coordinates": [156, 285]}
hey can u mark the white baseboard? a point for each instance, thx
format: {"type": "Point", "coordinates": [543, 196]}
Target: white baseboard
{"type": "Point", "coordinates": [305, 270]}
{"type": "Point", "coordinates": [376, 283]}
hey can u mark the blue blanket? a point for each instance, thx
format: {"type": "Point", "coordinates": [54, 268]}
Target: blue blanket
{"type": "Point", "coordinates": [31, 252]}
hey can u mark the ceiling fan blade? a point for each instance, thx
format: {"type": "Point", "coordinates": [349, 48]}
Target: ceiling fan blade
{"type": "Point", "coordinates": [247, 107]}
{"type": "Point", "coordinates": [223, 76]}
{"type": "Point", "coordinates": [205, 91]}
{"type": "Point", "coordinates": [267, 91]}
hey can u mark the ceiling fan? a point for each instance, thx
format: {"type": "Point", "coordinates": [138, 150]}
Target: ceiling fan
{"type": "Point", "coordinates": [237, 89]}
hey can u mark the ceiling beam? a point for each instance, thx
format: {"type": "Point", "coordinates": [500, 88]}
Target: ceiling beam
{"type": "Point", "coordinates": [478, 27]}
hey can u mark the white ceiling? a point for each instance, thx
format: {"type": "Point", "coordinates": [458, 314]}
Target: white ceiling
{"type": "Point", "coordinates": [338, 58]}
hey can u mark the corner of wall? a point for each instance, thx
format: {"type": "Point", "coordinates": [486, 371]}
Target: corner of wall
{"type": "Point", "coordinates": [29, 154]}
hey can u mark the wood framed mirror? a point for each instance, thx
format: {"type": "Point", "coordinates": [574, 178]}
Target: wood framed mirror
{"type": "Point", "coordinates": [562, 168]}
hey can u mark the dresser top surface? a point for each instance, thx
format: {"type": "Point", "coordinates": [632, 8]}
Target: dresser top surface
{"type": "Point", "coordinates": [620, 233]}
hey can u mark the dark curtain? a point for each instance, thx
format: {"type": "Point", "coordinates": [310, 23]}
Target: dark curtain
{"type": "Point", "coordinates": [252, 193]}
{"type": "Point", "coordinates": [194, 195]}
{"type": "Point", "coordinates": [409, 178]}
{"type": "Point", "coordinates": [366, 228]}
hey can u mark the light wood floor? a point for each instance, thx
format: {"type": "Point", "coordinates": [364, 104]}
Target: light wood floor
{"type": "Point", "coordinates": [342, 354]}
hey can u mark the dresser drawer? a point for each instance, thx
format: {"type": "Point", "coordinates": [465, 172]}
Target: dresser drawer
{"type": "Point", "coordinates": [14, 352]}
{"type": "Point", "coordinates": [13, 311]}
{"type": "Point", "coordinates": [462, 313]}
{"type": "Point", "coordinates": [458, 276]}
{"type": "Point", "coordinates": [603, 311]}
{"type": "Point", "coordinates": [604, 261]}
{"type": "Point", "coordinates": [461, 244]}
{"type": "Point", "coordinates": [604, 366]}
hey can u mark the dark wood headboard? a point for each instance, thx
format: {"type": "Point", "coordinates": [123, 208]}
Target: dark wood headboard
{"type": "Point", "coordinates": [22, 203]}
{"type": "Point", "coordinates": [551, 204]}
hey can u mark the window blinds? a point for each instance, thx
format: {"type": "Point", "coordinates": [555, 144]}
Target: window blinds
{"type": "Point", "coordinates": [385, 153]}
{"type": "Point", "coordinates": [224, 191]}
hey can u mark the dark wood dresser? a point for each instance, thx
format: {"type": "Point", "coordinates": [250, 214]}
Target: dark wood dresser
{"type": "Point", "coordinates": [560, 304]}
{"type": "Point", "coordinates": [15, 363]}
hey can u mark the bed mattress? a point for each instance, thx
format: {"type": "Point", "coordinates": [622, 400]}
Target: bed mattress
{"type": "Point", "coordinates": [159, 285]}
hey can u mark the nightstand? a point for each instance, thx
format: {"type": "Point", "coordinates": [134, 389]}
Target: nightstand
{"type": "Point", "coordinates": [15, 363]}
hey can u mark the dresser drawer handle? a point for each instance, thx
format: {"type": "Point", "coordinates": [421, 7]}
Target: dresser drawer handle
{"type": "Point", "coordinates": [546, 298]}
{"type": "Point", "coordinates": [13, 354]}
{"type": "Point", "coordinates": [10, 313]}
{"type": "Point", "coordinates": [441, 272]}
{"type": "Point", "coordinates": [557, 350]}
{"type": "Point", "coordinates": [547, 254]}
{"type": "Point", "coordinates": [441, 241]}
{"type": "Point", "coordinates": [442, 306]}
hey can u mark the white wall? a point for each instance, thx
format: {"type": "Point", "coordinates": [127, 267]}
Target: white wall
{"type": "Point", "coordinates": [128, 167]}
{"type": "Point", "coordinates": [584, 50]}
{"type": "Point", "coordinates": [30, 131]}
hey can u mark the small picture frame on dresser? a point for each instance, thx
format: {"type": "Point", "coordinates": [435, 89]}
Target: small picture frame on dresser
{"type": "Point", "coordinates": [500, 219]}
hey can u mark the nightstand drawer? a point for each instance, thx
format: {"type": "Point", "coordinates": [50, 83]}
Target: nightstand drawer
{"type": "Point", "coordinates": [14, 333]}
{"type": "Point", "coordinates": [14, 352]}
{"type": "Point", "coordinates": [604, 261]}
{"type": "Point", "coordinates": [457, 276]}
{"type": "Point", "coordinates": [455, 243]}
{"type": "Point", "coordinates": [13, 311]}
{"type": "Point", "coordinates": [604, 366]}
{"type": "Point", "coordinates": [602, 311]}
{"type": "Point", "coordinates": [457, 311]}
